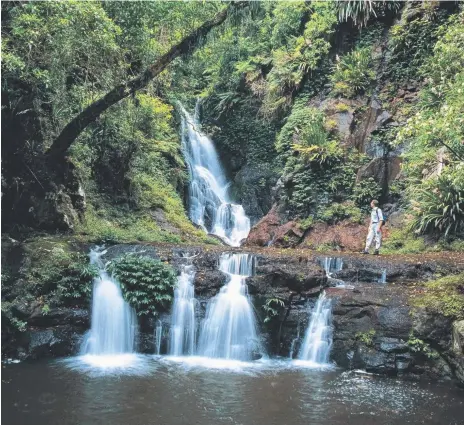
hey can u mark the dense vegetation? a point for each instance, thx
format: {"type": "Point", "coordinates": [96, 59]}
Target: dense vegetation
{"type": "Point", "coordinates": [147, 284]}
{"type": "Point", "coordinates": [287, 89]}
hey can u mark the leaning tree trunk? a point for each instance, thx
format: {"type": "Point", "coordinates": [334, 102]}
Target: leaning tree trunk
{"type": "Point", "coordinates": [72, 130]}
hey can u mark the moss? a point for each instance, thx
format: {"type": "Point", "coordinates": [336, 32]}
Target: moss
{"type": "Point", "coordinates": [444, 295]}
{"type": "Point", "coordinates": [342, 107]}
{"type": "Point", "coordinates": [366, 338]}
{"type": "Point", "coordinates": [402, 241]}
{"type": "Point", "coordinates": [108, 227]}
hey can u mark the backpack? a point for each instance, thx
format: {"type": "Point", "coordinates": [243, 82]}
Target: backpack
{"type": "Point", "coordinates": [385, 216]}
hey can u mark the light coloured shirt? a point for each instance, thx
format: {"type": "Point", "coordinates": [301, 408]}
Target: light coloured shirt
{"type": "Point", "coordinates": [376, 215]}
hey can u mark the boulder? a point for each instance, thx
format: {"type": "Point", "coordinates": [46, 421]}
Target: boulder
{"type": "Point", "coordinates": [383, 170]}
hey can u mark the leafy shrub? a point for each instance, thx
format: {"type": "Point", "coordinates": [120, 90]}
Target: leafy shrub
{"type": "Point", "coordinates": [364, 192]}
{"type": "Point", "coordinates": [439, 204]}
{"type": "Point", "coordinates": [366, 338]}
{"type": "Point", "coordinates": [336, 212]}
{"type": "Point", "coordinates": [360, 11]}
{"type": "Point", "coordinates": [353, 74]}
{"type": "Point", "coordinates": [419, 346]}
{"type": "Point", "coordinates": [147, 284]}
{"type": "Point", "coordinates": [444, 295]}
{"type": "Point", "coordinates": [76, 282]}
{"type": "Point", "coordinates": [402, 241]}
{"type": "Point", "coordinates": [342, 107]}
{"type": "Point", "coordinates": [62, 272]}
{"type": "Point", "coordinates": [304, 127]}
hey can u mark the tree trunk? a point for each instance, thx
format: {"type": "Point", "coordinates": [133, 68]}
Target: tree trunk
{"type": "Point", "coordinates": [72, 130]}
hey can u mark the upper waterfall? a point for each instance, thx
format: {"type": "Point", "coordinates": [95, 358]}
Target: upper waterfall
{"type": "Point", "coordinates": [210, 205]}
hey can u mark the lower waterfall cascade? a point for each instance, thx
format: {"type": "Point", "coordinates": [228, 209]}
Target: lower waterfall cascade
{"type": "Point", "coordinates": [113, 321]}
{"type": "Point", "coordinates": [318, 338]}
{"type": "Point", "coordinates": [229, 328]}
{"type": "Point", "coordinates": [183, 327]}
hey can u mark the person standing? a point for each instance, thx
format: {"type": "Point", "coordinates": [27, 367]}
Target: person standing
{"type": "Point", "coordinates": [375, 228]}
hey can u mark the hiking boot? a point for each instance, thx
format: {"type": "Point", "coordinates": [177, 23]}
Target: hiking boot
{"type": "Point", "coordinates": [376, 252]}
{"type": "Point", "coordinates": [365, 252]}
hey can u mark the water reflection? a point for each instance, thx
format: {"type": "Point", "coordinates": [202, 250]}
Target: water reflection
{"type": "Point", "coordinates": [174, 393]}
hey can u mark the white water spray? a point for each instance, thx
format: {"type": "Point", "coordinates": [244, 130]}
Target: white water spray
{"type": "Point", "coordinates": [229, 329]}
{"type": "Point", "coordinates": [209, 203]}
{"type": "Point", "coordinates": [113, 326]}
{"type": "Point", "coordinates": [183, 327]}
{"type": "Point", "coordinates": [318, 339]}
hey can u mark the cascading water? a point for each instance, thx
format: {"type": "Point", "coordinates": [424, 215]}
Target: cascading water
{"type": "Point", "coordinates": [332, 265]}
{"type": "Point", "coordinates": [113, 323]}
{"type": "Point", "coordinates": [209, 203]}
{"type": "Point", "coordinates": [182, 341]}
{"type": "Point", "coordinates": [229, 329]}
{"type": "Point", "coordinates": [158, 336]}
{"type": "Point", "coordinates": [318, 339]}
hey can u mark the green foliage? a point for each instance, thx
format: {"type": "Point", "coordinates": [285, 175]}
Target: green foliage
{"type": "Point", "coordinates": [304, 127]}
{"type": "Point", "coordinates": [299, 57]}
{"type": "Point", "coordinates": [10, 318]}
{"type": "Point", "coordinates": [353, 73]}
{"type": "Point", "coordinates": [444, 295]}
{"type": "Point", "coordinates": [110, 225]}
{"type": "Point", "coordinates": [435, 133]}
{"type": "Point", "coordinates": [336, 212]}
{"type": "Point", "coordinates": [411, 42]}
{"type": "Point", "coordinates": [61, 273]}
{"type": "Point", "coordinates": [63, 53]}
{"type": "Point", "coordinates": [342, 107]}
{"type": "Point", "coordinates": [366, 338]}
{"type": "Point", "coordinates": [438, 204]}
{"type": "Point", "coordinates": [402, 241]}
{"type": "Point", "coordinates": [361, 11]}
{"type": "Point", "coordinates": [364, 192]}
{"type": "Point", "coordinates": [419, 346]}
{"type": "Point", "coordinates": [273, 307]}
{"type": "Point", "coordinates": [147, 284]}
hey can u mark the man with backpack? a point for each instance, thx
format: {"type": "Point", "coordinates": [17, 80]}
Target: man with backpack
{"type": "Point", "coordinates": [375, 228]}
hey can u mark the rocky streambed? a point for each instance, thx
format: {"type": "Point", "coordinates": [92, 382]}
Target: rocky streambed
{"type": "Point", "coordinates": [376, 326]}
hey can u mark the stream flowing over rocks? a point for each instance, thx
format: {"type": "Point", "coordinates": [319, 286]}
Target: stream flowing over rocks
{"type": "Point", "coordinates": [372, 319]}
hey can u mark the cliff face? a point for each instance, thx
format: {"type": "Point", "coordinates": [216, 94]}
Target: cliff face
{"type": "Point", "coordinates": [375, 326]}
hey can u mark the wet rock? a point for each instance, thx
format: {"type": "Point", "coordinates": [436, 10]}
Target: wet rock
{"type": "Point", "coordinates": [383, 170]}
{"type": "Point", "coordinates": [262, 234]}
{"type": "Point", "coordinates": [57, 342]}
{"type": "Point", "coordinates": [114, 251]}
{"type": "Point", "coordinates": [254, 183]}
{"type": "Point", "coordinates": [392, 345]}
{"type": "Point", "coordinates": [458, 336]}
{"type": "Point", "coordinates": [59, 316]}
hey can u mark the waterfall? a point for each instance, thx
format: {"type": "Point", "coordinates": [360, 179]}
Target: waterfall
{"type": "Point", "coordinates": [332, 265]}
{"type": "Point", "coordinates": [209, 203]}
{"type": "Point", "coordinates": [383, 276]}
{"type": "Point", "coordinates": [158, 336]}
{"type": "Point", "coordinates": [113, 323]}
{"type": "Point", "coordinates": [183, 328]}
{"type": "Point", "coordinates": [318, 338]}
{"type": "Point", "coordinates": [229, 329]}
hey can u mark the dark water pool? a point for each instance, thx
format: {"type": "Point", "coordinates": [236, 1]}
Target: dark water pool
{"type": "Point", "coordinates": [168, 392]}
